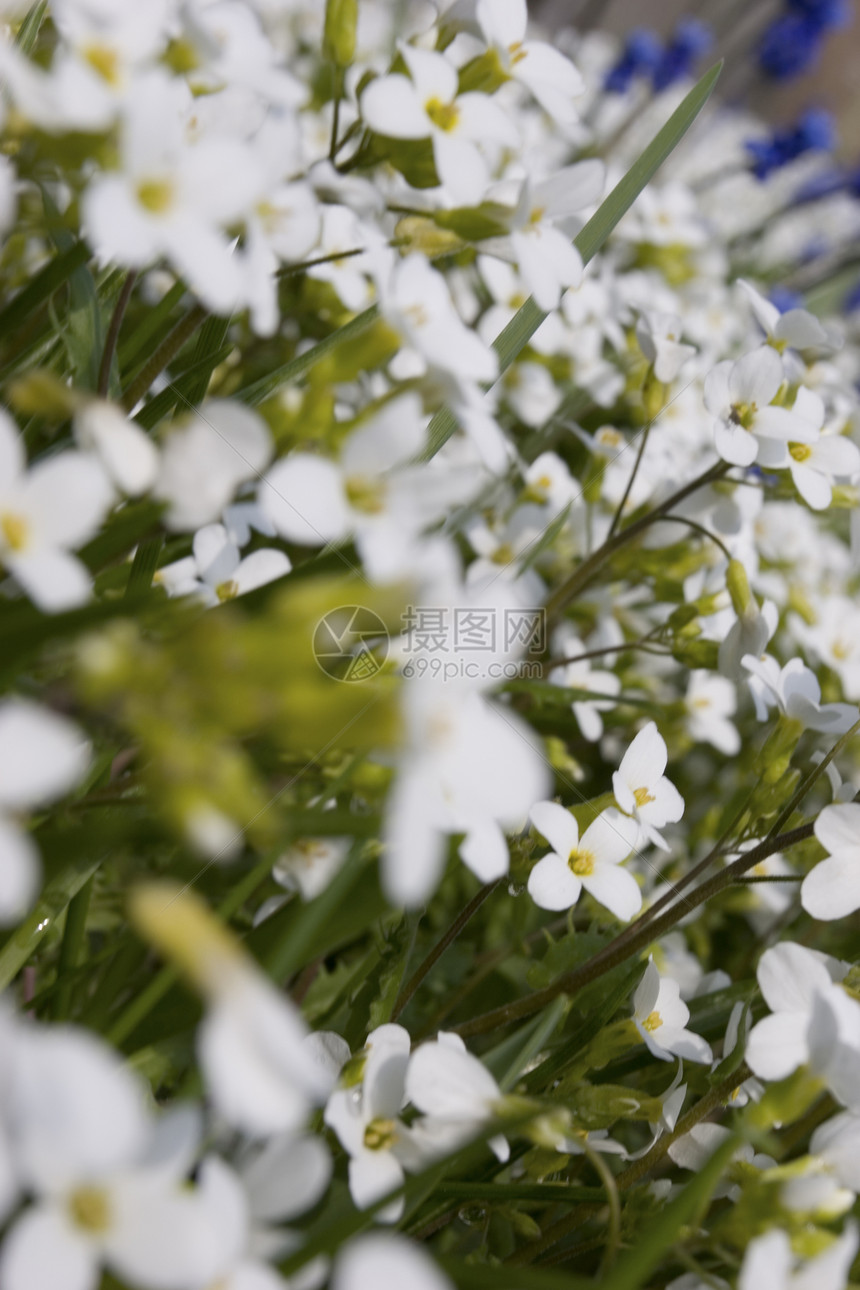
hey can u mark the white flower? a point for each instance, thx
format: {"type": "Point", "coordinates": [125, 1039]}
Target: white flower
{"type": "Point", "coordinates": [309, 864]}
{"type": "Point", "coordinates": [468, 767]}
{"type": "Point", "coordinates": [710, 702]}
{"type": "Point", "coordinates": [46, 512]}
{"type": "Point", "coordinates": [375, 493]}
{"type": "Point", "coordinates": [659, 339]}
{"type": "Point", "coordinates": [582, 676]}
{"type": "Point", "coordinates": [416, 300]}
{"type": "Point", "coordinates": [41, 756]}
{"type": "Point", "coordinates": [456, 1092]}
{"type": "Point", "coordinates": [747, 428]}
{"type": "Point", "coordinates": [796, 692]}
{"type": "Point", "coordinates": [206, 458]}
{"type": "Point", "coordinates": [693, 1150]}
{"type": "Point", "coordinates": [836, 1143]}
{"type": "Point", "coordinates": [747, 637]}
{"type": "Point", "coordinates": [548, 261]}
{"type": "Point", "coordinates": [375, 1261]}
{"type": "Point", "coordinates": [428, 106]}
{"type": "Point", "coordinates": [127, 453]}
{"type": "Point", "coordinates": [272, 1185]}
{"type": "Point", "coordinates": [813, 1021]}
{"type": "Point", "coordinates": [832, 889]}
{"type": "Point", "coordinates": [795, 329]}
{"type": "Point", "coordinates": [108, 1182]}
{"type": "Point", "coordinates": [369, 1127]}
{"type": "Point", "coordinates": [251, 1042]}
{"type": "Point", "coordinates": [592, 861]}
{"type": "Point", "coordinates": [642, 790]}
{"type": "Point", "coordinates": [769, 1262]}
{"type": "Point", "coordinates": [170, 198]}
{"type": "Point", "coordinates": [544, 70]}
{"type": "Point", "coordinates": [216, 571]}
{"type": "Point", "coordinates": [814, 466]}
{"type": "Point", "coordinates": [661, 1018]}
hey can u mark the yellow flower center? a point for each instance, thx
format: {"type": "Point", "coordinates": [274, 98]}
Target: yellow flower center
{"type": "Point", "coordinates": [155, 195]}
{"type": "Point", "coordinates": [227, 590]}
{"type": "Point", "coordinates": [90, 1209]}
{"type": "Point", "coordinates": [380, 1134]}
{"type": "Point", "coordinates": [800, 451]}
{"type": "Point", "coordinates": [652, 1022]}
{"type": "Point", "coordinates": [516, 53]}
{"type": "Point", "coordinates": [14, 530]}
{"type": "Point", "coordinates": [365, 494]}
{"type": "Point", "coordinates": [443, 115]}
{"type": "Point", "coordinates": [537, 214]}
{"type": "Point", "coordinates": [105, 61]}
{"type": "Point", "coordinates": [742, 414]}
{"type": "Point", "coordinates": [642, 796]}
{"type": "Point", "coordinates": [581, 862]}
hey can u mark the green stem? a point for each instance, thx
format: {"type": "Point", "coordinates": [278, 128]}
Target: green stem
{"type": "Point", "coordinates": [143, 1003]}
{"type": "Point", "coordinates": [167, 350]}
{"type": "Point", "coordinates": [815, 774]}
{"type": "Point", "coordinates": [72, 948]}
{"type": "Point", "coordinates": [716, 1097]}
{"type": "Point", "coordinates": [113, 334]}
{"type": "Point", "coordinates": [630, 942]}
{"type": "Point", "coordinates": [441, 946]}
{"type": "Point", "coordinates": [619, 513]}
{"type": "Point", "coordinates": [610, 1186]}
{"type": "Point", "coordinates": [592, 565]}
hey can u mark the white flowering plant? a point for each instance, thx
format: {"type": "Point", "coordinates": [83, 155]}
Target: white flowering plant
{"type": "Point", "coordinates": [429, 545]}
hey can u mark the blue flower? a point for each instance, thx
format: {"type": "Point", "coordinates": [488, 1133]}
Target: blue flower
{"type": "Point", "coordinates": [815, 131]}
{"type": "Point", "coordinates": [691, 39]}
{"type": "Point", "coordinates": [826, 13]}
{"type": "Point", "coordinates": [790, 46]}
{"type": "Point", "coordinates": [785, 299]}
{"type": "Point", "coordinates": [641, 55]}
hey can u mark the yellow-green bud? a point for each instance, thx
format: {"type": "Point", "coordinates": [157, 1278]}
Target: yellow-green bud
{"type": "Point", "coordinates": [737, 583]}
{"type": "Point", "coordinates": [341, 20]}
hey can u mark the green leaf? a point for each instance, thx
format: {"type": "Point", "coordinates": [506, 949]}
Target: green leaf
{"type": "Point", "coordinates": [153, 328]}
{"type": "Point", "coordinates": [211, 349]}
{"type": "Point", "coordinates": [638, 1262]}
{"type": "Point", "coordinates": [55, 898]}
{"type": "Point", "coordinates": [301, 931]}
{"type": "Point", "coordinates": [480, 1276]}
{"type": "Point", "coordinates": [42, 287]}
{"type": "Point", "coordinates": [28, 32]}
{"type": "Point", "coordinates": [258, 391]}
{"type": "Point", "coordinates": [511, 1058]}
{"type": "Point", "coordinates": [525, 322]}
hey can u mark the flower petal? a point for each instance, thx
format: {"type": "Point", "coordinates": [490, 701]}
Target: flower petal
{"type": "Point", "coordinates": [552, 885]}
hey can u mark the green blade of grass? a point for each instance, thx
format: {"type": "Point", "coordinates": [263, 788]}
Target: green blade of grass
{"type": "Point", "coordinates": [525, 322]}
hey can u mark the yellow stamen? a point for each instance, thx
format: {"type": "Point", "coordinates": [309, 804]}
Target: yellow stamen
{"type": "Point", "coordinates": [642, 796]}
{"type": "Point", "coordinates": [365, 494]}
{"type": "Point", "coordinates": [155, 195]}
{"type": "Point", "coordinates": [105, 61]}
{"type": "Point", "coordinates": [443, 115]}
{"type": "Point", "coordinates": [652, 1022]}
{"type": "Point", "coordinates": [380, 1135]}
{"type": "Point", "coordinates": [581, 862]}
{"type": "Point", "coordinates": [14, 530]}
{"type": "Point", "coordinates": [90, 1209]}
{"type": "Point", "coordinates": [800, 451]}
